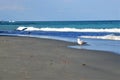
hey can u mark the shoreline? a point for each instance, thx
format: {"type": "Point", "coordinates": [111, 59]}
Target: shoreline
{"type": "Point", "coordinates": [48, 59]}
{"type": "Point", "coordinates": [75, 46]}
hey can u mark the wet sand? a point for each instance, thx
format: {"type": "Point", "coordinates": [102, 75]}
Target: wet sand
{"type": "Point", "coordinates": [23, 58]}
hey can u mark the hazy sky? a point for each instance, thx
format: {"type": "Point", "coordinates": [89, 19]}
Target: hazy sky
{"type": "Point", "coordinates": [52, 10]}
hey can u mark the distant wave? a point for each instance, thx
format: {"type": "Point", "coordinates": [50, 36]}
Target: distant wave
{"type": "Point", "coordinates": [116, 30]}
{"type": "Point", "coordinates": [110, 37]}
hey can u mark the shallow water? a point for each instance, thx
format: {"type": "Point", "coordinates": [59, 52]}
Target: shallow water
{"type": "Point", "coordinates": [99, 44]}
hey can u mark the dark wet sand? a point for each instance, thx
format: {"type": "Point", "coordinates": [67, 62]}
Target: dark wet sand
{"type": "Point", "coordinates": [42, 59]}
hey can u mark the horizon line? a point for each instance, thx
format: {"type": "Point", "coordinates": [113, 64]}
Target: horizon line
{"type": "Point", "coordinates": [54, 20]}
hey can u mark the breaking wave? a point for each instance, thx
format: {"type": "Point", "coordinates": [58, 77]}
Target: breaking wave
{"type": "Point", "coordinates": [109, 37]}
{"type": "Point", "coordinates": [114, 30]}
{"type": "Point", "coordinates": [110, 32]}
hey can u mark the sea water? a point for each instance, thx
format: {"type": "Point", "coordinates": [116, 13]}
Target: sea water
{"type": "Point", "coordinates": [99, 35]}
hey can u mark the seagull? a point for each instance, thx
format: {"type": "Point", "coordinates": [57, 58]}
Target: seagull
{"type": "Point", "coordinates": [80, 42]}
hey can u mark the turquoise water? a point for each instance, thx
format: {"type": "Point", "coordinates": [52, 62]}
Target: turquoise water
{"type": "Point", "coordinates": [100, 35]}
{"type": "Point", "coordinates": [60, 24]}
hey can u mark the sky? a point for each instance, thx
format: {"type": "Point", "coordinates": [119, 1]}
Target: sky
{"type": "Point", "coordinates": [59, 10]}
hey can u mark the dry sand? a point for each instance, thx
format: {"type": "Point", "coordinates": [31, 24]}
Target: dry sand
{"type": "Point", "coordinates": [43, 59]}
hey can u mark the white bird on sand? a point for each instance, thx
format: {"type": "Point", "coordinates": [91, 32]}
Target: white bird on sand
{"type": "Point", "coordinates": [80, 42]}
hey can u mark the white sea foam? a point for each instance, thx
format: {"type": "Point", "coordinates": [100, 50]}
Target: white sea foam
{"type": "Point", "coordinates": [27, 28]}
{"type": "Point", "coordinates": [110, 37]}
{"type": "Point", "coordinates": [117, 30]}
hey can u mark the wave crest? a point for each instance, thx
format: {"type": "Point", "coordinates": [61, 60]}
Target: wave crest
{"type": "Point", "coordinates": [115, 30]}
{"type": "Point", "coordinates": [110, 37]}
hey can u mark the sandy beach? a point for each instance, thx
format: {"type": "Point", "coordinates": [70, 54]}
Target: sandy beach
{"type": "Point", "coordinates": [23, 58]}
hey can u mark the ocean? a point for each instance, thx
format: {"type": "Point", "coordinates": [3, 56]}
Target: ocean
{"type": "Point", "coordinates": [99, 35]}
